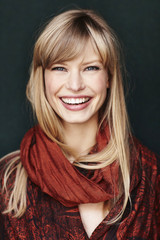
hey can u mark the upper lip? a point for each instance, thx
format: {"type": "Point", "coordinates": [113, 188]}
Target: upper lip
{"type": "Point", "coordinates": [80, 96]}
{"type": "Point", "coordinates": [75, 99]}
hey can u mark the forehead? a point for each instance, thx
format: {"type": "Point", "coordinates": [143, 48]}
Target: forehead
{"type": "Point", "coordinates": [89, 52]}
{"type": "Point", "coordinates": [69, 47]}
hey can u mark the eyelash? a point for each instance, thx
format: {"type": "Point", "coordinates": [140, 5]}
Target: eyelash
{"type": "Point", "coordinates": [58, 68]}
{"type": "Point", "coordinates": [91, 68]}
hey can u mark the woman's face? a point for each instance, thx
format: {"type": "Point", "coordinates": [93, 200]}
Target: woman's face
{"type": "Point", "coordinates": [77, 89]}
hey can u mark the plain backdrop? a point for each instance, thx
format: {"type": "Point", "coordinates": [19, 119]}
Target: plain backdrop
{"type": "Point", "coordinates": [137, 26]}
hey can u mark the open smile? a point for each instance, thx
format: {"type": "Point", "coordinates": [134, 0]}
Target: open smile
{"type": "Point", "coordinates": [75, 101]}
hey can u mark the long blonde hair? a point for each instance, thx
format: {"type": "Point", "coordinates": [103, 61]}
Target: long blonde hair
{"type": "Point", "coordinates": [63, 39]}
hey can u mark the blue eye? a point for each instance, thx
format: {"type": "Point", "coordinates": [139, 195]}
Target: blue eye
{"type": "Point", "coordinates": [92, 68]}
{"type": "Point", "coordinates": [58, 69]}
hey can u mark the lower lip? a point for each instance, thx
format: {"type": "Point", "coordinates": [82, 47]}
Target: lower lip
{"type": "Point", "coordinates": [76, 107]}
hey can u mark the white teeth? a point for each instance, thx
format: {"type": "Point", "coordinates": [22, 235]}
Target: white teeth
{"type": "Point", "coordinates": [75, 100]}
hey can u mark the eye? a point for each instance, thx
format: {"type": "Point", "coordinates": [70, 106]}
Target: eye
{"type": "Point", "coordinates": [58, 69]}
{"type": "Point", "coordinates": [92, 68]}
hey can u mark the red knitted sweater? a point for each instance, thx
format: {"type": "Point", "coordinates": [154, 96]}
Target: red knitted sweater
{"type": "Point", "coordinates": [46, 218]}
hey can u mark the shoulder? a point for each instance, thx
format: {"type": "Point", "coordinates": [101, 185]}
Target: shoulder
{"type": "Point", "coordinates": [8, 166]}
{"type": "Point", "coordinates": [145, 168]}
{"type": "Point", "coordinates": [149, 178]}
{"type": "Point", "coordinates": [11, 158]}
{"type": "Point", "coordinates": [147, 158]}
{"type": "Point", "coordinates": [12, 180]}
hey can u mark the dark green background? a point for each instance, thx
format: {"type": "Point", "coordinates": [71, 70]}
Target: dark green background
{"type": "Point", "coordinates": [136, 23]}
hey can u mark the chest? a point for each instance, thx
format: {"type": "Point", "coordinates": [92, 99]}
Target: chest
{"type": "Point", "coordinates": [47, 219]}
{"type": "Point", "coordinates": [92, 214]}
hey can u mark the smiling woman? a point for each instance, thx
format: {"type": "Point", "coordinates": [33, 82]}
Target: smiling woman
{"type": "Point", "coordinates": [76, 89]}
{"type": "Point", "coordinates": [79, 170]}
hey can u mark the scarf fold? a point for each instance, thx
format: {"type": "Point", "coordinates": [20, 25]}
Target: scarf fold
{"type": "Point", "coordinates": [48, 168]}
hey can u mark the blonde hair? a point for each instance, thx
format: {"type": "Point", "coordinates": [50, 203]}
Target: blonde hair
{"type": "Point", "coordinates": [61, 40]}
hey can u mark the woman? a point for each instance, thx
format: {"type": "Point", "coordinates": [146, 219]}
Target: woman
{"type": "Point", "coordinates": [79, 173]}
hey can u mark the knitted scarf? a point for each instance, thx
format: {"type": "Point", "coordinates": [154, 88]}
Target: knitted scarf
{"type": "Point", "coordinates": [48, 168]}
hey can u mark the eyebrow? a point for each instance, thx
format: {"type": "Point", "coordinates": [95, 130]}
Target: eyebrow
{"type": "Point", "coordinates": [92, 61]}
{"type": "Point", "coordinates": [83, 63]}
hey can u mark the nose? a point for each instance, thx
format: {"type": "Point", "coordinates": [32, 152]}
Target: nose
{"type": "Point", "coordinates": [75, 81]}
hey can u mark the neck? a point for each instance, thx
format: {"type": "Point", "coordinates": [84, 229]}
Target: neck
{"type": "Point", "coordinates": [80, 137]}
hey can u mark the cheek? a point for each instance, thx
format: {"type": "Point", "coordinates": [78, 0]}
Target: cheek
{"type": "Point", "coordinates": [101, 85]}
{"type": "Point", "coordinates": [51, 86]}
{"type": "Point", "coordinates": [48, 90]}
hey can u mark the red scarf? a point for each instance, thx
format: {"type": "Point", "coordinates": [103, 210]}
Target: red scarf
{"type": "Point", "coordinates": [48, 168]}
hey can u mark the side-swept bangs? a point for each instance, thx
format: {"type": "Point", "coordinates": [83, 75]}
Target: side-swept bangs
{"type": "Point", "coordinates": [65, 38]}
